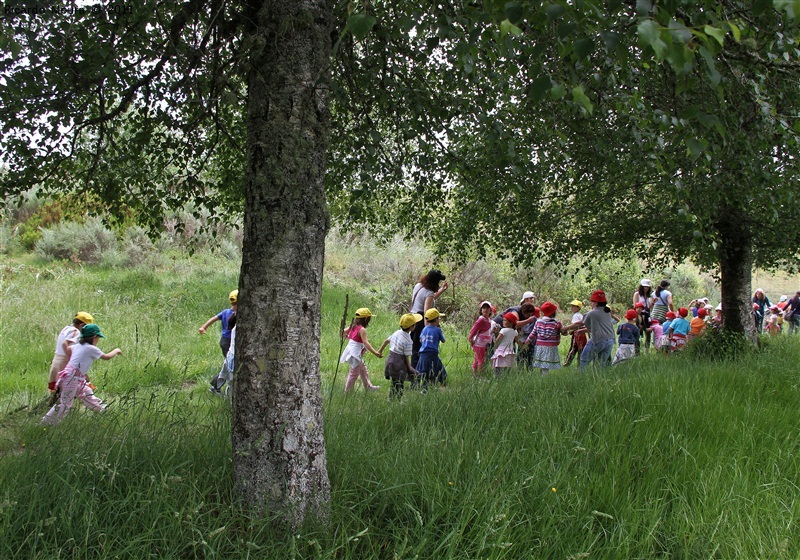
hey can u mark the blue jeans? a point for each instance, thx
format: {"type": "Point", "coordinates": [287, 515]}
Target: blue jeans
{"type": "Point", "coordinates": [794, 323]}
{"type": "Point", "coordinates": [596, 350]}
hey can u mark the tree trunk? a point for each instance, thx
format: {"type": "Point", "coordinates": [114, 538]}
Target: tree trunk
{"type": "Point", "coordinates": [735, 263]}
{"type": "Point", "coordinates": [278, 445]}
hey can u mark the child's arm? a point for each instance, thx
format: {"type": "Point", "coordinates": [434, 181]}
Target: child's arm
{"type": "Point", "coordinates": [498, 339]}
{"type": "Point", "coordinates": [408, 366]}
{"type": "Point", "coordinates": [367, 345]}
{"type": "Point", "coordinates": [384, 345]}
{"type": "Point", "coordinates": [208, 323]}
{"type": "Point", "coordinates": [114, 352]}
{"type": "Point", "coordinates": [572, 327]}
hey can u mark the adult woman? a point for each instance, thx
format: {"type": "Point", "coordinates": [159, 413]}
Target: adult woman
{"type": "Point", "coordinates": [760, 299]}
{"type": "Point", "coordinates": [662, 302]}
{"type": "Point", "coordinates": [600, 324]}
{"type": "Point", "coordinates": [425, 292]}
{"type": "Point", "coordinates": [644, 295]}
{"type": "Point", "coordinates": [792, 313]}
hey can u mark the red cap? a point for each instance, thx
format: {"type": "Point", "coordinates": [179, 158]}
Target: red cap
{"type": "Point", "coordinates": [630, 314]}
{"type": "Point", "coordinates": [598, 296]}
{"type": "Point", "coordinates": [683, 312]}
{"type": "Point", "coordinates": [511, 318]}
{"type": "Point", "coordinates": [702, 312]}
{"type": "Point", "coordinates": [655, 322]}
{"type": "Point", "coordinates": [671, 315]}
{"type": "Point", "coordinates": [638, 304]}
{"type": "Point", "coordinates": [548, 309]}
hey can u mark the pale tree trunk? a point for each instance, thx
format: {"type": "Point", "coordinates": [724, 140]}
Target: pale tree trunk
{"type": "Point", "coordinates": [735, 262]}
{"type": "Point", "coordinates": [278, 447]}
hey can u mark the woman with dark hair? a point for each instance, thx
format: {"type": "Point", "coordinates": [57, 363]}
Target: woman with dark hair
{"type": "Point", "coordinates": [662, 302]}
{"type": "Point", "coordinates": [427, 289]}
{"type": "Point", "coordinates": [643, 295]}
{"type": "Point", "coordinates": [760, 299]}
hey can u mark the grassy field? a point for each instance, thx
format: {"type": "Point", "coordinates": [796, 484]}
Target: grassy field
{"type": "Point", "coordinates": [657, 458]}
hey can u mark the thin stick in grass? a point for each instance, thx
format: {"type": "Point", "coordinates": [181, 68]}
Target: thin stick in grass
{"type": "Point", "coordinates": [341, 344]}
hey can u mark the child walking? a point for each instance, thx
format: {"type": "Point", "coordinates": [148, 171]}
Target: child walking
{"type": "Point", "coordinates": [225, 374]}
{"type": "Point", "coordinates": [657, 331]}
{"type": "Point", "coordinates": [679, 330]}
{"type": "Point", "coordinates": [547, 334]}
{"type": "Point", "coordinates": [504, 356]}
{"type": "Point", "coordinates": [357, 346]}
{"type": "Point", "coordinates": [73, 380]}
{"type": "Point", "coordinates": [480, 336]}
{"type": "Point", "coordinates": [430, 366]}
{"type": "Point", "coordinates": [398, 362]}
{"type": "Point", "coordinates": [68, 336]}
{"type": "Point", "coordinates": [224, 317]}
{"type": "Point", "coordinates": [628, 334]}
{"type": "Point", "coordinates": [579, 338]}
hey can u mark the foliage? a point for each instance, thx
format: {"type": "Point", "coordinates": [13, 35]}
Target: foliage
{"type": "Point", "coordinates": [78, 242]}
{"type": "Point", "coordinates": [718, 345]}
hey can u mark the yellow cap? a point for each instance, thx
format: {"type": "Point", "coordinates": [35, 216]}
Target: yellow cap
{"type": "Point", "coordinates": [576, 302]}
{"type": "Point", "coordinates": [234, 296]}
{"type": "Point", "coordinates": [363, 313]}
{"type": "Point", "coordinates": [84, 317]}
{"type": "Point", "coordinates": [432, 314]}
{"type": "Point", "coordinates": [409, 319]}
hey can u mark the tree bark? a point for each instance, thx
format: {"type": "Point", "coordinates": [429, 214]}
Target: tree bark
{"type": "Point", "coordinates": [735, 261]}
{"type": "Point", "coordinates": [278, 446]}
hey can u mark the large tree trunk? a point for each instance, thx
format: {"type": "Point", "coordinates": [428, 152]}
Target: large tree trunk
{"type": "Point", "coordinates": [735, 263]}
{"type": "Point", "coordinates": [278, 446]}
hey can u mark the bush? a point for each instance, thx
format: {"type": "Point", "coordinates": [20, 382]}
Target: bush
{"type": "Point", "coordinates": [79, 243]}
{"type": "Point", "coordinates": [718, 345]}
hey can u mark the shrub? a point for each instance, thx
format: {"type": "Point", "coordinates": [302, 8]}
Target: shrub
{"type": "Point", "coordinates": [80, 243]}
{"type": "Point", "coordinates": [718, 345]}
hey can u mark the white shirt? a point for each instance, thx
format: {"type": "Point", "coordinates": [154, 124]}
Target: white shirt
{"type": "Point", "coordinates": [400, 343]}
{"type": "Point", "coordinates": [68, 334]}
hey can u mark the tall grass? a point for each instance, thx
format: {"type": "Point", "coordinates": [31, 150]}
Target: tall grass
{"type": "Point", "coordinates": [655, 458]}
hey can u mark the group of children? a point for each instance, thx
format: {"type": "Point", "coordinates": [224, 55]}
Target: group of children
{"type": "Point", "coordinates": [76, 351]}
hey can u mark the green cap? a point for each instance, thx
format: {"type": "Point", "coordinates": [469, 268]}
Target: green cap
{"type": "Point", "coordinates": [90, 331]}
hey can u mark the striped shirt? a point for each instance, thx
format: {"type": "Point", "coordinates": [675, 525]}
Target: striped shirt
{"type": "Point", "coordinates": [400, 343]}
{"type": "Point", "coordinates": [547, 332]}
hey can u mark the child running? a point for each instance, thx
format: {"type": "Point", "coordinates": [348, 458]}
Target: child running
{"type": "Point", "coordinates": [357, 346]}
{"type": "Point", "coordinates": [628, 334]}
{"type": "Point", "coordinates": [68, 336]}
{"type": "Point", "coordinates": [224, 317]}
{"type": "Point", "coordinates": [480, 336]}
{"type": "Point", "coordinates": [398, 362]}
{"type": "Point", "coordinates": [504, 356]}
{"type": "Point", "coordinates": [73, 380]}
{"type": "Point", "coordinates": [430, 367]}
{"type": "Point", "coordinates": [547, 333]}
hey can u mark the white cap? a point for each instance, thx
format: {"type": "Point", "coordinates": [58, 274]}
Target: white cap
{"type": "Point", "coordinates": [644, 282]}
{"type": "Point", "coordinates": [783, 298]}
{"type": "Point", "coordinates": [719, 307]}
{"type": "Point", "coordinates": [527, 295]}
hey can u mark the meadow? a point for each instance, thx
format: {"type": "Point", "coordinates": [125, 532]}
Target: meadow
{"type": "Point", "coordinates": [655, 458]}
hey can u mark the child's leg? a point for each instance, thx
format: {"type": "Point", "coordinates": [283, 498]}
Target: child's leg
{"type": "Point", "coordinates": [480, 358]}
{"type": "Point", "coordinates": [365, 378]}
{"type": "Point", "coordinates": [545, 371]}
{"type": "Point", "coordinates": [90, 401]}
{"type": "Point", "coordinates": [351, 378]}
{"type": "Point", "coordinates": [68, 391]}
{"type": "Point", "coordinates": [58, 364]}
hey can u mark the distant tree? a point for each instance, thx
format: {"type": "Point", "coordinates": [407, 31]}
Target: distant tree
{"type": "Point", "coordinates": [667, 128]}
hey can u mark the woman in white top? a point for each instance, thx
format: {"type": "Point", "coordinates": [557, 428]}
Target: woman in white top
{"type": "Point", "coordinates": [429, 287]}
{"type": "Point", "coordinates": [644, 296]}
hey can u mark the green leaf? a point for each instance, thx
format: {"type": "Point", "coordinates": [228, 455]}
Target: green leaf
{"type": "Point", "coordinates": [650, 35]}
{"type": "Point", "coordinates": [712, 67]}
{"type": "Point", "coordinates": [611, 40]}
{"type": "Point", "coordinates": [507, 27]}
{"type": "Point", "coordinates": [558, 91]}
{"type": "Point", "coordinates": [695, 147]}
{"type": "Point", "coordinates": [514, 11]}
{"type": "Point", "coordinates": [718, 34]}
{"type": "Point", "coordinates": [579, 96]}
{"type": "Point", "coordinates": [583, 47]}
{"type": "Point", "coordinates": [791, 7]}
{"type": "Point", "coordinates": [540, 87]}
{"type": "Point", "coordinates": [555, 11]}
{"type": "Point", "coordinates": [360, 25]}
{"type": "Point", "coordinates": [737, 33]}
